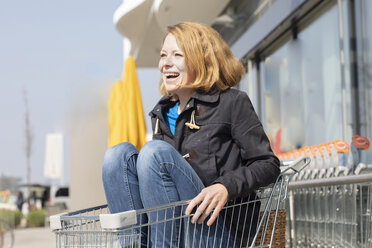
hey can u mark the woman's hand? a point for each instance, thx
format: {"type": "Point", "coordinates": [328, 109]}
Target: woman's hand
{"type": "Point", "coordinates": [211, 198]}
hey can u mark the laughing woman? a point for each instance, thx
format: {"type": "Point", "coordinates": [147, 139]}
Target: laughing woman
{"type": "Point", "coordinates": [208, 143]}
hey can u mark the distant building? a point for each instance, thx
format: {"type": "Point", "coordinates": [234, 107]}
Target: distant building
{"type": "Point", "coordinates": [11, 183]}
{"type": "Point", "coordinates": [54, 162]}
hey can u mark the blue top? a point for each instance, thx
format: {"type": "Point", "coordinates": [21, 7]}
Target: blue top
{"type": "Point", "coordinates": [171, 116]}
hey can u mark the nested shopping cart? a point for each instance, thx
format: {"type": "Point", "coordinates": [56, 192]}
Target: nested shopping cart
{"type": "Point", "coordinates": [257, 220]}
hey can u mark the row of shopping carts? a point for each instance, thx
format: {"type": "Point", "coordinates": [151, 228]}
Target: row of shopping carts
{"type": "Point", "coordinates": [332, 155]}
{"type": "Point", "coordinates": [258, 220]}
{"type": "Point", "coordinates": [330, 202]}
{"type": "Point", "coordinates": [331, 212]}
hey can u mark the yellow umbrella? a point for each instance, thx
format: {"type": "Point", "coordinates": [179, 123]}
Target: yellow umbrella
{"type": "Point", "coordinates": [126, 122]}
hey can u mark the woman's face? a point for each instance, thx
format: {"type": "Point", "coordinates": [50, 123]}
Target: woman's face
{"type": "Point", "coordinates": [172, 66]}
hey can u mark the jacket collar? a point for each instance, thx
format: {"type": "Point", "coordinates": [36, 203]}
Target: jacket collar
{"type": "Point", "coordinates": [162, 103]}
{"type": "Point", "coordinates": [199, 95]}
{"type": "Point", "coordinates": [206, 97]}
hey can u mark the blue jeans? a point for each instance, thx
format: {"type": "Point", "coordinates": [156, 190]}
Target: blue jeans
{"type": "Point", "coordinates": [155, 176]}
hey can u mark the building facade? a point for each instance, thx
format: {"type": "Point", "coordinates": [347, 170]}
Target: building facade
{"type": "Point", "coordinates": [308, 67]}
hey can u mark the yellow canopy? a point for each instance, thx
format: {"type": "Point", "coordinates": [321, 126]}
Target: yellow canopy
{"type": "Point", "coordinates": [126, 122]}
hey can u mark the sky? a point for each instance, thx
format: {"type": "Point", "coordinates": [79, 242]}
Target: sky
{"type": "Point", "coordinates": [55, 51]}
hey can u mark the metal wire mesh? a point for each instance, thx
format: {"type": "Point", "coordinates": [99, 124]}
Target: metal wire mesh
{"type": "Point", "coordinates": [255, 220]}
{"type": "Point", "coordinates": [240, 219]}
{"type": "Point", "coordinates": [331, 215]}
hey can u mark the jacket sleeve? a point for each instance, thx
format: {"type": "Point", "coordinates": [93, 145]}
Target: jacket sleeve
{"type": "Point", "coordinates": [260, 165]}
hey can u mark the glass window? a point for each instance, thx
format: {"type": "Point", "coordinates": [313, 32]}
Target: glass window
{"type": "Point", "coordinates": [364, 45]}
{"type": "Point", "coordinates": [249, 84]}
{"type": "Point", "coordinates": [302, 89]}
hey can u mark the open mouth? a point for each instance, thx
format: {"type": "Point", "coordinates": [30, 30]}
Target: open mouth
{"type": "Point", "coordinates": [171, 75]}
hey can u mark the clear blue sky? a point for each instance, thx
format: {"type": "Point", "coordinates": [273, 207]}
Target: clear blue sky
{"type": "Point", "coordinates": [55, 50]}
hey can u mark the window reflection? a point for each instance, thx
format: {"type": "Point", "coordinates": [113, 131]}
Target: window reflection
{"type": "Point", "coordinates": [365, 41]}
{"type": "Point", "coordinates": [302, 87]}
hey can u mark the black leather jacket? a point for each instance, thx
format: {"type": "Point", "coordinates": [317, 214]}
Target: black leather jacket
{"type": "Point", "coordinates": [230, 147]}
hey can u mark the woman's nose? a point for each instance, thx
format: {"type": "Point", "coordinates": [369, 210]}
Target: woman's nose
{"type": "Point", "coordinates": [168, 61]}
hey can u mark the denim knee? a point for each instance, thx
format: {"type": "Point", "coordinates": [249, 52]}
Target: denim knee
{"type": "Point", "coordinates": [155, 148]}
{"type": "Point", "coordinates": [153, 151]}
{"type": "Point", "coordinates": [114, 155]}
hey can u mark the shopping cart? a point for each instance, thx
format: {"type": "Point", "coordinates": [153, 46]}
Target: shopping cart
{"type": "Point", "coordinates": [257, 220]}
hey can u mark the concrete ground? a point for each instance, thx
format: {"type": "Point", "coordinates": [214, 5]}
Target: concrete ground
{"type": "Point", "coordinates": [41, 237]}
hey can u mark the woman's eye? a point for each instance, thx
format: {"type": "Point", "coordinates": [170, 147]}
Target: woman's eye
{"type": "Point", "coordinates": [162, 55]}
{"type": "Point", "coordinates": [179, 55]}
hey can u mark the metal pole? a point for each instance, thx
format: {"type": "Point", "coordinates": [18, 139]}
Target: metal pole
{"type": "Point", "coordinates": [365, 178]}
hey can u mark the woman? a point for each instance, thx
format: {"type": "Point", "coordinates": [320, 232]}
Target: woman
{"type": "Point", "coordinates": [208, 143]}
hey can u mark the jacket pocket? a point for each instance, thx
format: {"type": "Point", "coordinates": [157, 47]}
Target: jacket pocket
{"type": "Point", "coordinates": [211, 172]}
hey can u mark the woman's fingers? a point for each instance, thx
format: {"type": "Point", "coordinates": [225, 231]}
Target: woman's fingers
{"type": "Point", "coordinates": [200, 210]}
{"type": "Point", "coordinates": [215, 214]}
{"type": "Point", "coordinates": [193, 203]}
{"type": "Point", "coordinates": [212, 198]}
{"type": "Point", "coordinates": [207, 211]}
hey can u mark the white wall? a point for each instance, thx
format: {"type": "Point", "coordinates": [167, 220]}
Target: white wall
{"type": "Point", "coordinates": [88, 142]}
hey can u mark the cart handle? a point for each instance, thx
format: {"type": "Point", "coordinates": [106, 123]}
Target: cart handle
{"type": "Point", "coordinates": [297, 165]}
{"type": "Point", "coordinates": [118, 220]}
{"type": "Point", "coordinates": [55, 221]}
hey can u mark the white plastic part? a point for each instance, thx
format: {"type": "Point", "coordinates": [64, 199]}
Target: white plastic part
{"type": "Point", "coordinates": [118, 220]}
{"type": "Point", "coordinates": [55, 221]}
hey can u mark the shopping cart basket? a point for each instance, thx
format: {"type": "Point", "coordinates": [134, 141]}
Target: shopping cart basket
{"type": "Point", "coordinates": [257, 220]}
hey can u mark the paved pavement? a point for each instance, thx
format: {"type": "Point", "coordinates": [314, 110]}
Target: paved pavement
{"type": "Point", "coordinates": [41, 237]}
